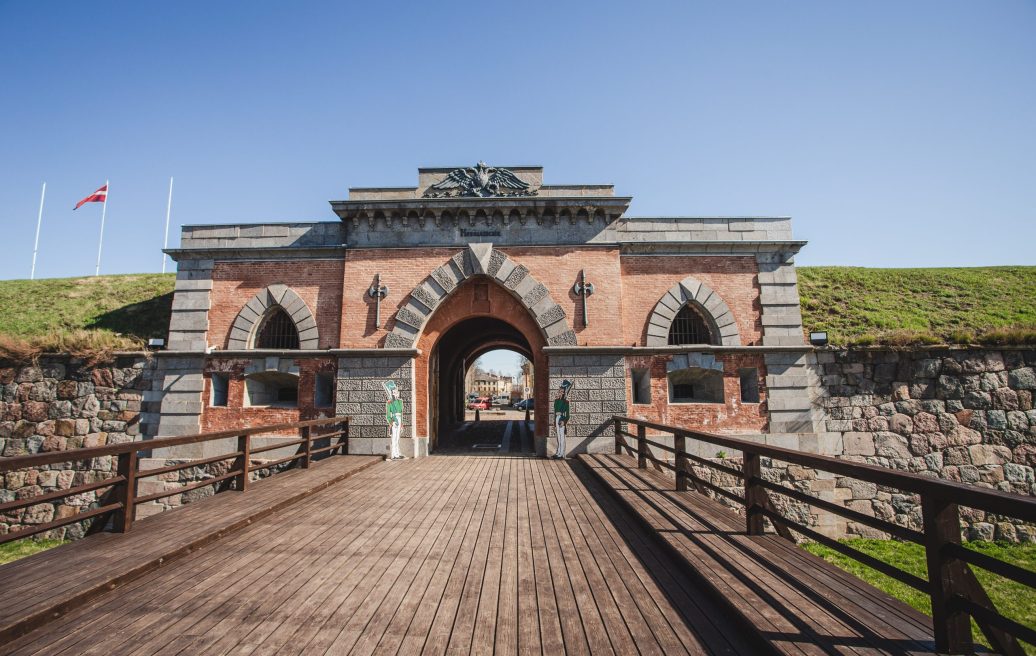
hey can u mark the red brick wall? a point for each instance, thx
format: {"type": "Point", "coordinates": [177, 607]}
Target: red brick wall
{"type": "Point", "coordinates": [318, 282]}
{"type": "Point", "coordinates": [401, 271]}
{"type": "Point", "coordinates": [730, 416]}
{"type": "Point", "coordinates": [646, 279]}
{"type": "Point", "coordinates": [236, 415]}
{"type": "Point", "coordinates": [556, 267]}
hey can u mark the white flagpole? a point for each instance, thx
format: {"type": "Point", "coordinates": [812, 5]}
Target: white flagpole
{"type": "Point", "coordinates": [100, 243]}
{"type": "Point", "coordinates": [168, 209]}
{"type": "Point", "coordinates": [39, 222]}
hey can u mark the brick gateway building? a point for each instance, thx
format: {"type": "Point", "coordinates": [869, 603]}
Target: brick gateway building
{"type": "Point", "coordinates": [691, 321]}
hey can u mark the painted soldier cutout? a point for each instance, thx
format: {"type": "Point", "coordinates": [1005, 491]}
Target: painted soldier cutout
{"type": "Point", "coordinates": [394, 417]}
{"type": "Point", "coordinates": [561, 413]}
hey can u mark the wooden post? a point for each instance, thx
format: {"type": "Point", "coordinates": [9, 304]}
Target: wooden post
{"type": "Point", "coordinates": [307, 447]}
{"type": "Point", "coordinates": [344, 439]}
{"type": "Point", "coordinates": [618, 437]}
{"type": "Point", "coordinates": [477, 418]}
{"type": "Point", "coordinates": [641, 447]}
{"type": "Point", "coordinates": [244, 445]}
{"type": "Point", "coordinates": [127, 495]}
{"type": "Point", "coordinates": [945, 576]}
{"type": "Point", "coordinates": [754, 494]}
{"type": "Point", "coordinates": [680, 444]}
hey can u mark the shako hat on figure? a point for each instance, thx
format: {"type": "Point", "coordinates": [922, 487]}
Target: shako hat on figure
{"type": "Point", "coordinates": [565, 386]}
{"type": "Point", "coordinates": [390, 386]}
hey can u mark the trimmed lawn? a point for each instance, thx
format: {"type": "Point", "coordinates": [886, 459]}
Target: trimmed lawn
{"type": "Point", "coordinates": [1013, 600]}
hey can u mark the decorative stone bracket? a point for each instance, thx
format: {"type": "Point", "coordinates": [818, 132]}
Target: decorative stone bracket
{"type": "Point", "coordinates": [479, 259]}
{"type": "Point", "coordinates": [262, 304]}
{"type": "Point", "coordinates": [691, 290]}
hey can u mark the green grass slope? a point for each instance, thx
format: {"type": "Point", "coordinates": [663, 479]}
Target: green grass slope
{"type": "Point", "coordinates": [84, 314]}
{"type": "Point", "coordinates": [994, 305]}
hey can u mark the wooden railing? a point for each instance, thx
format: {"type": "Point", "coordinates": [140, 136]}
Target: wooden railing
{"type": "Point", "coordinates": [955, 592]}
{"type": "Point", "coordinates": [120, 502]}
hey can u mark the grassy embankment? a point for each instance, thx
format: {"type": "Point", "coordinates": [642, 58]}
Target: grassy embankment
{"type": "Point", "coordinates": [983, 305]}
{"type": "Point", "coordinates": [84, 316]}
{"type": "Point", "coordinates": [1013, 600]}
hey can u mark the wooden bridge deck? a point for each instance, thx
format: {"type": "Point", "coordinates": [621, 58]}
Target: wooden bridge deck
{"type": "Point", "coordinates": [453, 554]}
{"type": "Point", "coordinates": [800, 603]}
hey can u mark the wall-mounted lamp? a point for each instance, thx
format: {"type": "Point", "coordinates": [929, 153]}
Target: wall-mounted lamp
{"type": "Point", "coordinates": [377, 291]}
{"type": "Point", "coordinates": [156, 343]}
{"type": "Point", "coordinates": [818, 338]}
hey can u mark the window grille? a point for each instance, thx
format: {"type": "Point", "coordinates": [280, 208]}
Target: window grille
{"type": "Point", "coordinates": [689, 327]}
{"type": "Point", "coordinates": [278, 332]}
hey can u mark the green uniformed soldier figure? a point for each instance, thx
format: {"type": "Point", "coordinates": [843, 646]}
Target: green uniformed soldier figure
{"type": "Point", "coordinates": [561, 412]}
{"type": "Point", "coordinates": [394, 417]}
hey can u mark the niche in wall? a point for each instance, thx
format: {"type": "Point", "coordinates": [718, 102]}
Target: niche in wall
{"type": "Point", "coordinates": [272, 389]}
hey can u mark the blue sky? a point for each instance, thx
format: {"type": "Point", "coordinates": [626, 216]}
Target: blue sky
{"type": "Point", "coordinates": [896, 134]}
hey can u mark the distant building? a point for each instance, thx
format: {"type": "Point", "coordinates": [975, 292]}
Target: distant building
{"type": "Point", "coordinates": [487, 384]}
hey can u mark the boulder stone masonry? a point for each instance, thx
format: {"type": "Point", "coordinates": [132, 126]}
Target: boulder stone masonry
{"type": "Point", "coordinates": [62, 404]}
{"type": "Point", "coordinates": [964, 415]}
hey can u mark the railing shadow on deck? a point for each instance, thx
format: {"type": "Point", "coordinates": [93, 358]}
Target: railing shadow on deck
{"type": "Point", "coordinates": [118, 506]}
{"type": "Point", "coordinates": [956, 594]}
{"type": "Point", "coordinates": [734, 556]}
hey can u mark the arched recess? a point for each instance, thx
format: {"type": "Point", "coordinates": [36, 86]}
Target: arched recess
{"type": "Point", "coordinates": [476, 260]}
{"type": "Point", "coordinates": [243, 330]}
{"type": "Point", "coordinates": [691, 290]}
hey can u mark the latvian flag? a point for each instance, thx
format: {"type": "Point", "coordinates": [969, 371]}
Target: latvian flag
{"type": "Point", "coordinates": [98, 196]}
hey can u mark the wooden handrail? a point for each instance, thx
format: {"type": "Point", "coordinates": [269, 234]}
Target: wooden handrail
{"type": "Point", "coordinates": [23, 462]}
{"type": "Point", "coordinates": [995, 501]}
{"type": "Point", "coordinates": [955, 592]}
{"type": "Point", "coordinates": [121, 499]}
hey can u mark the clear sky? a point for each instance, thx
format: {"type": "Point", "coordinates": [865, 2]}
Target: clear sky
{"type": "Point", "coordinates": [895, 133]}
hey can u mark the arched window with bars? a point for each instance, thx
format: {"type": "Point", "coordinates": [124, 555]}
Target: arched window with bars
{"type": "Point", "coordinates": [278, 331]}
{"type": "Point", "coordinates": [689, 327]}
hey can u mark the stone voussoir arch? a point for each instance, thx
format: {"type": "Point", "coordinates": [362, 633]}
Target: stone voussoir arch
{"type": "Point", "coordinates": [242, 331]}
{"type": "Point", "coordinates": [476, 260]}
{"type": "Point", "coordinates": [690, 290]}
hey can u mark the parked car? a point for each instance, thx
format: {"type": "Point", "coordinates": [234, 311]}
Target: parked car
{"type": "Point", "coordinates": [521, 405]}
{"type": "Point", "coordinates": [480, 403]}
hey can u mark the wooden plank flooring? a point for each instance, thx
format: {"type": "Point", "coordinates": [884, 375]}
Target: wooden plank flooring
{"type": "Point", "coordinates": [446, 554]}
{"type": "Point", "coordinates": [800, 603]}
{"type": "Point", "coordinates": [36, 589]}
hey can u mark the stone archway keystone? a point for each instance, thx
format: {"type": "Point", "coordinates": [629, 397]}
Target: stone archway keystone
{"type": "Point", "coordinates": [262, 304]}
{"type": "Point", "coordinates": [479, 259]}
{"type": "Point", "coordinates": [691, 290]}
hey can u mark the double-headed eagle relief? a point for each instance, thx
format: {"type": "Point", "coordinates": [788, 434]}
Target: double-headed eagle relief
{"type": "Point", "coordinates": [481, 181]}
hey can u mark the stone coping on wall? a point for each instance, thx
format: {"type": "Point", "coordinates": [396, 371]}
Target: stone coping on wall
{"type": "Point", "coordinates": [297, 353]}
{"type": "Point", "coordinates": [651, 350]}
{"type": "Point", "coordinates": [251, 253]}
{"type": "Point", "coordinates": [656, 246]}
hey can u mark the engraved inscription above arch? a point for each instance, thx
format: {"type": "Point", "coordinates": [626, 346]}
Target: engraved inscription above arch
{"type": "Point", "coordinates": [242, 332]}
{"type": "Point", "coordinates": [479, 260]}
{"type": "Point", "coordinates": [690, 290]}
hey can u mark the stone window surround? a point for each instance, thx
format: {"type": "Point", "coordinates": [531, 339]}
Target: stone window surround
{"type": "Point", "coordinates": [713, 309]}
{"type": "Point", "coordinates": [255, 311]}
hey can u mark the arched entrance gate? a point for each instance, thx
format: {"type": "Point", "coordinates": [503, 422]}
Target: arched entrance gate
{"type": "Point", "coordinates": [478, 300]}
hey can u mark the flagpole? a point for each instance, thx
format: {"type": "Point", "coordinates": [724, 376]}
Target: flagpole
{"type": "Point", "coordinates": [100, 243]}
{"type": "Point", "coordinates": [39, 222]}
{"type": "Point", "coordinates": [168, 209]}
